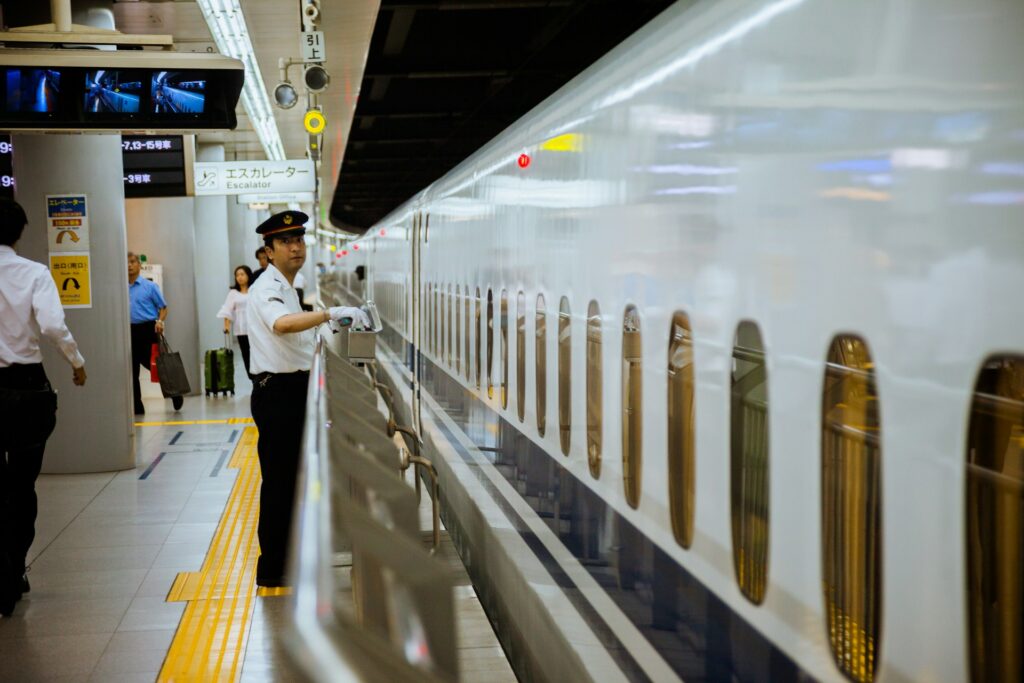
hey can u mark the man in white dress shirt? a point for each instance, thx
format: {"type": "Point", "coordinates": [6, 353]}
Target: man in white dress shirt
{"type": "Point", "coordinates": [29, 309]}
{"type": "Point", "coordinates": [282, 339]}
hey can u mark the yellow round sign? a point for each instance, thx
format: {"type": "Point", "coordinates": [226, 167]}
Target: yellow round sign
{"type": "Point", "coordinates": [314, 121]}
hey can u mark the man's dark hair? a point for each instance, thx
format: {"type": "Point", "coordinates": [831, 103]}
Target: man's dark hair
{"type": "Point", "coordinates": [234, 283]}
{"type": "Point", "coordinates": [361, 273]}
{"type": "Point", "coordinates": [12, 222]}
{"type": "Point", "coordinates": [261, 251]}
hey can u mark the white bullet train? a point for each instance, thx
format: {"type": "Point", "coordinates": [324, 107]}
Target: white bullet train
{"type": "Point", "coordinates": [719, 351]}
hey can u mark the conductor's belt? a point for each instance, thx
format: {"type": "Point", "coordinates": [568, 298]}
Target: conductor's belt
{"type": "Point", "coordinates": [261, 379]}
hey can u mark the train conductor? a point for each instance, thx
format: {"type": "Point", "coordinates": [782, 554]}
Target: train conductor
{"type": "Point", "coordinates": [282, 338]}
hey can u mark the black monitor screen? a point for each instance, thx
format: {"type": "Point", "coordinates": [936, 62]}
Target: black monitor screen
{"type": "Point", "coordinates": [113, 91]}
{"type": "Point", "coordinates": [179, 92]}
{"type": "Point", "coordinates": [33, 90]}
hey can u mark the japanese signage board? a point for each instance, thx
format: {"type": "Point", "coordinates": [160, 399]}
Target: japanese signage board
{"type": "Point", "coordinates": [313, 46]}
{"type": "Point", "coordinates": [6, 168]}
{"type": "Point", "coordinates": [67, 223]}
{"type": "Point", "coordinates": [249, 177]}
{"type": "Point", "coordinates": [154, 166]}
{"type": "Point", "coordinates": [70, 273]}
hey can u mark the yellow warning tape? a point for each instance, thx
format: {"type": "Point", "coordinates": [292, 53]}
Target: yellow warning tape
{"type": "Point", "coordinates": [209, 644]}
{"type": "Point", "coordinates": [230, 421]}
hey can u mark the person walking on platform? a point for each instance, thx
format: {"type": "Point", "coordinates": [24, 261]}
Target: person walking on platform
{"type": "Point", "coordinates": [282, 339]}
{"type": "Point", "coordinates": [148, 311]}
{"type": "Point", "coordinates": [29, 308]}
{"type": "Point", "coordinates": [234, 311]}
{"type": "Point", "coordinates": [264, 261]}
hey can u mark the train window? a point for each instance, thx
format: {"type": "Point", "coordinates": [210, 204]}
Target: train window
{"type": "Point", "coordinates": [594, 396]}
{"type": "Point", "coordinates": [440, 324]}
{"type": "Point", "coordinates": [521, 355]}
{"type": "Point", "coordinates": [995, 522]}
{"type": "Point", "coordinates": [458, 329]}
{"type": "Point", "coordinates": [476, 337]}
{"type": "Point", "coordinates": [540, 324]}
{"type": "Point", "coordinates": [490, 343]}
{"type": "Point", "coordinates": [469, 336]}
{"type": "Point", "coordinates": [632, 406]}
{"type": "Point", "coordinates": [748, 462]}
{"type": "Point", "coordinates": [681, 424]}
{"type": "Point", "coordinates": [851, 508]}
{"type": "Point", "coordinates": [504, 348]}
{"type": "Point", "coordinates": [448, 325]}
{"type": "Point", "coordinates": [564, 375]}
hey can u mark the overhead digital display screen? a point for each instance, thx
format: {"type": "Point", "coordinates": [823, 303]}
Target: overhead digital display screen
{"type": "Point", "coordinates": [179, 92]}
{"type": "Point", "coordinates": [6, 168]}
{"type": "Point", "coordinates": [118, 99]}
{"type": "Point", "coordinates": [154, 165]}
{"type": "Point", "coordinates": [111, 91]}
{"type": "Point", "coordinates": [32, 90]}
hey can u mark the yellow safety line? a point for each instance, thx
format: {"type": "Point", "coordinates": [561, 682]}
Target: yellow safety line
{"type": "Point", "coordinates": [230, 421]}
{"type": "Point", "coordinates": [213, 631]}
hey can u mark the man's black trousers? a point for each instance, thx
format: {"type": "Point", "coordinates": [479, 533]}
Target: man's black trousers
{"type": "Point", "coordinates": [279, 409]}
{"type": "Point", "coordinates": [143, 338]}
{"type": "Point", "coordinates": [29, 409]}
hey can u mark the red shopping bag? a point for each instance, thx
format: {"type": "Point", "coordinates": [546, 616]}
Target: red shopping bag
{"type": "Point", "coordinates": [153, 375]}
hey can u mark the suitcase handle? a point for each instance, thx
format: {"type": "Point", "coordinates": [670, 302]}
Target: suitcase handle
{"type": "Point", "coordinates": [227, 339]}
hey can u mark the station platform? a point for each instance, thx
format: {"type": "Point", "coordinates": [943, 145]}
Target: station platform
{"type": "Point", "coordinates": [149, 574]}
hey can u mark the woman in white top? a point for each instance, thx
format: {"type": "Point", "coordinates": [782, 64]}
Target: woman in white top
{"type": "Point", "coordinates": [233, 310]}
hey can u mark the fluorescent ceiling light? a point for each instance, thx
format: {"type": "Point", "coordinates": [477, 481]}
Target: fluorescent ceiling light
{"type": "Point", "coordinates": [227, 24]}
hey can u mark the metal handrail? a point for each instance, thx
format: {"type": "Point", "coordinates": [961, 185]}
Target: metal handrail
{"type": "Point", "coordinates": [308, 633]}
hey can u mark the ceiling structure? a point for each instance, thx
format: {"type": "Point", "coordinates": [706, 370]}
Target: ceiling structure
{"type": "Point", "coordinates": [445, 76]}
{"type": "Point", "coordinates": [274, 27]}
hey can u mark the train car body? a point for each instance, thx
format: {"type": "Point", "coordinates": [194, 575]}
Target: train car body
{"type": "Point", "coordinates": [731, 196]}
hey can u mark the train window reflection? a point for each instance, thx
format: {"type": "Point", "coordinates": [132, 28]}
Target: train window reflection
{"type": "Point", "coordinates": [681, 430]}
{"type": "Point", "coordinates": [469, 335]}
{"type": "Point", "coordinates": [748, 462]}
{"type": "Point", "coordinates": [851, 508]}
{"type": "Point", "coordinates": [458, 328]}
{"type": "Point", "coordinates": [450, 303]}
{"type": "Point", "coordinates": [632, 406]}
{"type": "Point", "coordinates": [564, 375]}
{"type": "Point", "coordinates": [504, 348]}
{"type": "Point", "coordinates": [540, 323]}
{"type": "Point", "coordinates": [440, 324]}
{"type": "Point", "coordinates": [490, 343]}
{"type": "Point", "coordinates": [995, 522]}
{"type": "Point", "coordinates": [476, 336]}
{"type": "Point", "coordinates": [521, 355]}
{"type": "Point", "coordinates": [594, 396]}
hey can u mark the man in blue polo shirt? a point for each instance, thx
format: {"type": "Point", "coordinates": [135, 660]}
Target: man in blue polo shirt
{"type": "Point", "coordinates": [148, 312]}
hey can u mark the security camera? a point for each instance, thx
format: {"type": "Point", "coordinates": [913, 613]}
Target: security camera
{"type": "Point", "coordinates": [316, 78]}
{"type": "Point", "coordinates": [285, 95]}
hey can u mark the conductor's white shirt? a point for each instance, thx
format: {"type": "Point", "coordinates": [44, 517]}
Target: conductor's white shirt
{"type": "Point", "coordinates": [30, 308]}
{"type": "Point", "coordinates": [271, 297]}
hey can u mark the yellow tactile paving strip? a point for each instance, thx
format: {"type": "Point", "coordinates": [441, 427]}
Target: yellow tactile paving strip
{"type": "Point", "coordinates": [210, 641]}
{"type": "Point", "coordinates": [229, 421]}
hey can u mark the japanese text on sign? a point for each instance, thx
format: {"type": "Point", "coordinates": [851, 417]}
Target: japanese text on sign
{"type": "Point", "coordinates": [67, 223]}
{"type": "Point", "coordinates": [247, 177]}
{"type": "Point", "coordinates": [313, 46]}
{"type": "Point", "coordinates": [70, 273]}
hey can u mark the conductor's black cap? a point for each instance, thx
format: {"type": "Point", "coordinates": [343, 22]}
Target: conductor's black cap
{"type": "Point", "coordinates": [284, 224]}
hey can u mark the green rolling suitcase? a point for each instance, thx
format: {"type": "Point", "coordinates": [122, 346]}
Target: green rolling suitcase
{"type": "Point", "coordinates": [220, 369]}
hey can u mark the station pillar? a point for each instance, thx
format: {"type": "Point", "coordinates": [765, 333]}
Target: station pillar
{"type": "Point", "coordinates": [95, 431]}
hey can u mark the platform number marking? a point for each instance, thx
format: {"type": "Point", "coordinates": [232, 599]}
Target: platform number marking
{"type": "Point", "coordinates": [313, 46]}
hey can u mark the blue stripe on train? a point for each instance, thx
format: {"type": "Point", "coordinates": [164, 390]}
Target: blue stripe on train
{"type": "Point", "coordinates": [700, 637]}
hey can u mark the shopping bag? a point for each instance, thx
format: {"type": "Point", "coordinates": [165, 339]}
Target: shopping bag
{"type": "Point", "coordinates": [173, 380]}
{"type": "Point", "coordinates": [154, 376]}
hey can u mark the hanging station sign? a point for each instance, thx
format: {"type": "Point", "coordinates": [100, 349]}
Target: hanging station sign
{"type": "Point", "coordinates": [254, 177]}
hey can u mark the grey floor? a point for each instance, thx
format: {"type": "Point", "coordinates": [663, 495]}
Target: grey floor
{"type": "Point", "coordinates": [108, 547]}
